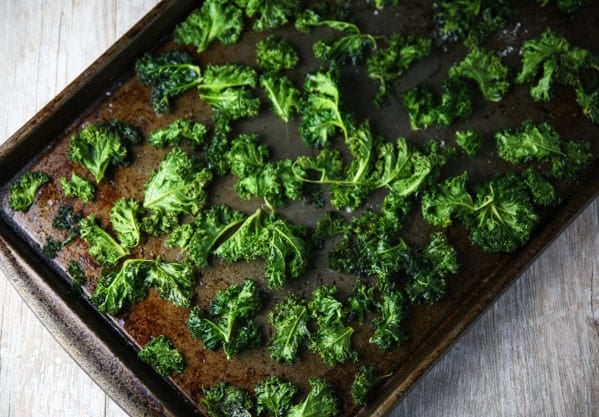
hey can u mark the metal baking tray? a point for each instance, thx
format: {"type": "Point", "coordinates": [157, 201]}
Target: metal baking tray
{"type": "Point", "coordinates": [106, 346]}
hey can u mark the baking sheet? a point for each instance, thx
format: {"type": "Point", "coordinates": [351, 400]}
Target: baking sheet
{"type": "Point", "coordinates": [431, 329]}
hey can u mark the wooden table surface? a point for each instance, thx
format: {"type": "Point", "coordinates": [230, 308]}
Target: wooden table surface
{"type": "Point", "coordinates": [534, 353]}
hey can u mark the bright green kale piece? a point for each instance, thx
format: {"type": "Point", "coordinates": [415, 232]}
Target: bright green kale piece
{"type": "Point", "coordinates": [387, 64]}
{"type": "Point", "coordinates": [118, 288]}
{"type": "Point", "coordinates": [284, 97]}
{"type": "Point", "coordinates": [289, 319]}
{"type": "Point", "coordinates": [542, 191]}
{"type": "Point", "coordinates": [215, 20]}
{"type": "Point", "coordinates": [376, 165]}
{"type": "Point", "coordinates": [229, 323]}
{"type": "Point", "coordinates": [226, 400]}
{"type": "Point", "coordinates": [500, 218]}
{"type": "Point", "coordinates": [169, 75]}
{"type": "Point", "coordinates": [269, 237]}
{"type": "Point", "coordinates": [178, 185]}
{"type": "Point", "coordinates": [351, 47]}
{"type": "Point", "coordinates": [471, 21]}
{"type": "Point", "coordinates": [159, 222]}
{"type": "Point", "coordinates": [487, 70]}
{"type": "Point", "coordinates": [100, 145]}
{"type": "Point", "coordinates": [589, 103]}
{"type": "Point", "coordinates": [550, 59]}
{"type": "Point", "coordinates": [217, 146]}
{"type": "Point", "coordinates": [270, 14]}
{"type": "Point", "coordinates": [125, 217]}
{"type": "Point", "coordinates": [24, 189]}
{"type": "Point", "coordinates": [161, 355]}
{"type": "Point", "coordinates": [274, 396]}
{"type": "Point", "coordinates": [427, 270]}
{"type": "Point", "coordinates": [381, 4]}
{"type": "Point", "coordinates": [174, 133]}
{"type": "Point", "coordinates": [330, 225]}
{"type": "Point", "coordinates": [321, 401]}
{"type": "Point", "coordinates": [365, 381]}
{"type": "Point", "coordinates": [200, 237]}
{"type": "Point", "coordinates": [257, 176]}
{"type": "Point", "coordinates": [361, 300]}
{"type": "Point", "coordinates": [322, 114]}
{"type": "Point", "coordinates": [388, 331]}
{"type": "Point", "coordinates": [470, 141]}
{"type": "Point", "coordinates": [541, 142]}
{"type": "Point", "coordinates": [445, 201]}
{"type": "Point", "coordinates": [174, 281]}
{"type": "Point", "coordinates": [423, 110]}
{"type": "Point", "coordinates": [227, 88]}
{"type": "Point", "coordinates": [78, 187]}
{"type": "Point", "coordinates": [332, 339]}
{"type": "Point", "coordinates": [101, 246]}
{"type": "Point", "coordinates": [274, 54]}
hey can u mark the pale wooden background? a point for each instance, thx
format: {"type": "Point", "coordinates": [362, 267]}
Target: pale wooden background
{"type": "Point", "coordinates": [534, 353]}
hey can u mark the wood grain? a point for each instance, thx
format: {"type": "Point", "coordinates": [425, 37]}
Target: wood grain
{"type": "Point", "coordinates": [534, 353]}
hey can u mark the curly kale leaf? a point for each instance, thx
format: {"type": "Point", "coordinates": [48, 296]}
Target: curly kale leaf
{"type": "Point", "coordinates": [471, 21]}
{"type": "Point", "coordinates": [487, 70]}
{"type": "Point", "coordinates": [274, 396]}
{"type": "Point", "coordinates": [125, 217]}
{"type": "Point", "coordinates": [423, 110]}
{"type": "Point", "coordinates": [100, 145]}
{"type": "Point", "coordinates": [169, 75]}
{"type": "Point", "coordinates": [174, 133]}
{"type": "Point", "coordinates": [257, 176]}
{"type": "Point", "coordinates": [289, 319]}
{"type": "Point", "coordinates": [78, 187]}
{"type": "Point", "coordinates": [551, 59]}
{"type": "Point", "coordinates": [541, 142]}
{"type": "Point", "coordinates": [226, 400]}
{"type": "Point", "coordinates": [178, 185]}
{"type": "Point", "coordinates": [332, 339]}
{"type": "Point", "coordinates": [101, 246]}
{"type": "Point", "coordinates": [284, 97]}
{"type": "Point", "coordinates": [200, 237]}
{"type": "Point", "coordinates": [322, 116]}
{"type": "Point", "coordinates": [270, 14]}
{"type": "Point", "coordinates": [215, 20]}
{"type": "Point", "coordinates": [386, 65]}
{"type": "Point", "coordinates": [160, 354]}
{"type": "Point", "coordinates": [174, 281]}
{"type": "Point", "coordinates": [229, 321]}
{"type": "Point", "coordinates": [23, 191]}
{"type": "Point", "coordinates": [274, 54]}
{"type": "Point", "coordinates": [227, 89]}
{"type": "Point", "coordinates": [321, 401]}
{"type": "Point", "coordinates": [118, 288]}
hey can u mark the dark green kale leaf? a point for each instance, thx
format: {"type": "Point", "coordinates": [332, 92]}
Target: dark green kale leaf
{"type": "Point", "coordinates": [174, 133]}
{"type": "Point", "coordinates": [125, 217]}
{"type": "Point", "coordinates": [169, 75]}
{"type": "Point", "coordinates": [160, 354]}
{"type": "Point", "coordinates": [289, 319]}
{"type": "Point", "coordinates": [78, 187]}
{"type": "Point", "coordinates": [274, 396]}
{"type": "Point", "coordinates": [226, 400]}
{"type": "Point", "coordinates": [178, 185]}
{"type": "Point", "coordinates": [229, 323]}
{"type": "Point", "coordinates": [23, 191]}
{"type": "Point", "coordinates": [215, 20]}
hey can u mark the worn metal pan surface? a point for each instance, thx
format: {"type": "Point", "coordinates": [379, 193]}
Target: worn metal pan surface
{"type": "Point", "coordinates": [106, 346]}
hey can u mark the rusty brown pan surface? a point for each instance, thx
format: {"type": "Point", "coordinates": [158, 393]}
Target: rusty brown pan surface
{"type": "Point", "coordinates": [106, 346]}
